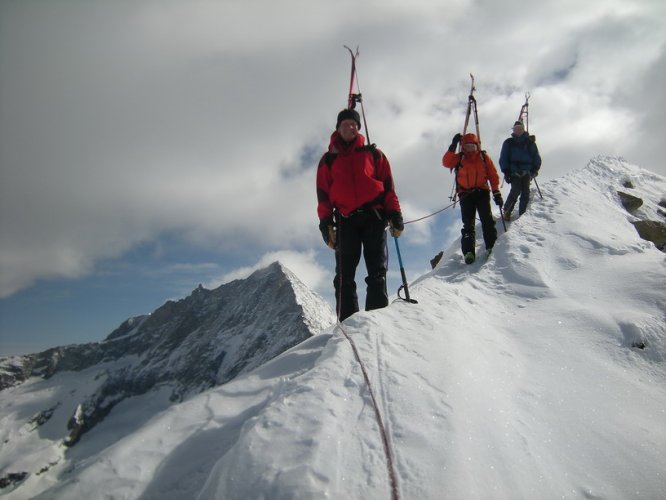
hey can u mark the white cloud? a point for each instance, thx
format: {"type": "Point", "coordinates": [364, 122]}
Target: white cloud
{"type": "Point", "coordinates": [122, 121]}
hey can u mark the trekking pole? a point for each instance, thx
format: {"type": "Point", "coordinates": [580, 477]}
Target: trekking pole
{"type": "Point", "coordinates": [404, 277]}
{"type": "Point", "coordinates": [537, 186]}
{"type": "Point", "coordinates": [453, 196]}
{"type": "Point", "coordinates": [502, 217]}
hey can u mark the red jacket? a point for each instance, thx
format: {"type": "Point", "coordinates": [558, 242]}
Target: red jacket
{"type": "Point", "coordinates": [351, 176]}
{"type": "Point", "coordinates": [475, 172]}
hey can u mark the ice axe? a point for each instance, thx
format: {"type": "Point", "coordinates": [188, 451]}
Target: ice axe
{"type": "Point", "coordinates": [406, 298]}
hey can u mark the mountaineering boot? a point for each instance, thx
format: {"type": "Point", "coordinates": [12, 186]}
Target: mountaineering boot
{"type": "Point", "coordinates": [469, 258]}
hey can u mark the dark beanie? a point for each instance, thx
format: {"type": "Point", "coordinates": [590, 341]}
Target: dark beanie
{"type": "Point", "coordinates": [518, 123]}
{"type": "Point", "coordinates": [348, 114]}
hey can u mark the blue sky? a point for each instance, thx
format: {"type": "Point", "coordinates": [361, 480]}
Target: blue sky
{"type": "Point", "coordinates": [147, 147]}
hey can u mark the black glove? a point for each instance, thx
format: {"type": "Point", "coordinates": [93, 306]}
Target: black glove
{"type": "Point", "coordinates": [397, 225]}
{"type": "Point", "coordinates": [497, 196]}
{"type": "Point", "coordinates": [535, 173]}
{"type": "Point", "coordinates": [454, 142]}
{"type": "Point", "coordinates": [326, 228]}
{"type": "Point", "coordinates": [507, 178]}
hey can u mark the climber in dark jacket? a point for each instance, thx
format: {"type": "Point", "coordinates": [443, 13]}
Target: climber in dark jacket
{"type": "Point", "coordinates": [520, 162]}
{"type": "Point", "coordinates": [356, 200]}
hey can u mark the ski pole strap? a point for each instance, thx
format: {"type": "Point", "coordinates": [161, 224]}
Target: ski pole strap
{"type": "Point", "coordinates": [502, 217]}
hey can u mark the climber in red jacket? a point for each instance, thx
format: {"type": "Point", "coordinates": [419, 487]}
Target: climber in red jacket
{"type": "Point", "coordinates": [356, 200]}
{"type": "Point", "coordinates": [474, 172]}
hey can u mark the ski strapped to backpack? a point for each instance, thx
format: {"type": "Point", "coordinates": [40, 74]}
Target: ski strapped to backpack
{"type": "Point", "coordinates": [471, 109]}
{"type": "Point", "coordinates": [524, 115]}
{"type": "Point", "coordinates": [355, 97]}
{"type": "Point", "coordinates": [524, 118]}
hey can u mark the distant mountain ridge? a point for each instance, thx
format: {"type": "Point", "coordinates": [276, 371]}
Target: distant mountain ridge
{"type": "Point", "coordinates": [187, 346]}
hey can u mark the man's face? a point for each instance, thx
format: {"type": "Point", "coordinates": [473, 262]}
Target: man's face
{"type": "Point", "coordinates": [518, 130]}
{"type": "Point", "coordinates": [348, 130]}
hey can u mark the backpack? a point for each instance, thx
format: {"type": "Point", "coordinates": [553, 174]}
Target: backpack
{"type": "Point", "coordinates": [329, 157]}
{"type": "Point", "coordinates": [457, 167]}
{"type": "Point", "coordinates": [526, 146]}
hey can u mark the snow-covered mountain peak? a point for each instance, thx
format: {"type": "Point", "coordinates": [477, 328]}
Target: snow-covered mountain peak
{"type": "Point", "coordinates": [182, 348]}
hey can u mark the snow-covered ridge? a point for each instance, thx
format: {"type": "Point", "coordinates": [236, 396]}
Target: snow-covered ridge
{"type": "Point", "coordinates": [516, 378]}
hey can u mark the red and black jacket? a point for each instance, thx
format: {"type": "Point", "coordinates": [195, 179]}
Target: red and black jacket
{"type": "Point", "coordinates": [354, 176]}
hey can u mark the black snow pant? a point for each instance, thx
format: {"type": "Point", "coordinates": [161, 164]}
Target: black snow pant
{"type": "Point", "coordinates": [471, 202]}
{"type": "Point", "coordinates": [364, 231]}
{"type": "Point", "coordinates": [520, 186]}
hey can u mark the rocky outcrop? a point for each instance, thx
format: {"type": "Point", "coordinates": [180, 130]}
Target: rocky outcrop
{"type": "Point", "coordinates": [643, 211]}
{"type": "Point", "coordinates": [652, 230]}
{"type": "Point", "coordinates": [629, 202]}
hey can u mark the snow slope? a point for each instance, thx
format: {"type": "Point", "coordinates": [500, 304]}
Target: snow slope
{"type": "Point", "coordinates": [510, 379]}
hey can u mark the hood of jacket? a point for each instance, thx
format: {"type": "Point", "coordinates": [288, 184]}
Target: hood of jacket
{"type": "Point", "coordinates": [471, 138]}
{"type": "Point", "coordinates": [520, 138]}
